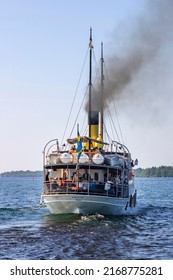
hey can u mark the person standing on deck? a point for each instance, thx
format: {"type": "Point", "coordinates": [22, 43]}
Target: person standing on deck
{"type": "Point", "coordinates": [86, 176]}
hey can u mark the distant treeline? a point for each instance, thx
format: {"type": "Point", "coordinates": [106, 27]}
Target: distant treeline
{"type": "Point", "coordinates": [22, 173]}
{"type": "Point", "coordinates": [161, 171]}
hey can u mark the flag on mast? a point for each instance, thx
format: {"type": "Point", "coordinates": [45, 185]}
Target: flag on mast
{"type": "Point", "coordinates": [79, 143]}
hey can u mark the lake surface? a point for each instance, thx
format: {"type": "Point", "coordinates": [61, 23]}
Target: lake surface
{"type": "Point", "coordinates": [29, 231]}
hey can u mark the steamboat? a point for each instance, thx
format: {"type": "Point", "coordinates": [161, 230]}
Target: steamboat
{"type": "Point", "coordinates": [91, 173]}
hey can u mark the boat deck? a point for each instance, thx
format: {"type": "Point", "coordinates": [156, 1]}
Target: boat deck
{"type": "Point", "coordinates": [87, 189]}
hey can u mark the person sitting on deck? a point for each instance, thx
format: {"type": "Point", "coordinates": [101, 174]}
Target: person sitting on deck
{"type": "Point", "coordinates": [53, 185]}
{"type": "Point", "coordinates": [62, 182]}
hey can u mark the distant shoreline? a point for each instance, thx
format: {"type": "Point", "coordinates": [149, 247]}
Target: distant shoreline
{"type": "Point", "coordinates": [22, 173]}
{"type": "Point", "coordinates": [161, 171]}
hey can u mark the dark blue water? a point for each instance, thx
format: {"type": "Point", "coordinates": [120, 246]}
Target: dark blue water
{"type": "Point", "coordinates": [28, 231]}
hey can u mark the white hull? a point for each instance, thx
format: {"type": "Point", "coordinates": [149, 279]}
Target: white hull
{"type": "Point", "coordinates": [86, 204]}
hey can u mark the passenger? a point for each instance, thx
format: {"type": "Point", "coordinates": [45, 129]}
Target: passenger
{"type": "Point", "coordinates": [86, 176]}
{"type": "Point", "coordinates": [64, 175]}
{"type": "Point", "coordinates": [47, 176]}
{"type": "Point", "coordinates": [110, 177]}
{"type": "Point", "coordinates": [53, 179]}
{"type": "Point", "coordinates": [53, 185]}
{"type": "Point", "coordinates": [136, 161]}
{"type": "Point", "coordinates": [53, 175]}
{"type": "Point", "coordinates": [117, 180]}
{"type": "Point", "coordinates": [62, 182]}
{"type": "Point", "coordinates": [77, 176]}
{"type": "Point", "coordinates": [130, 174]}
{"type": "Point", "coordinates": [99, 145]}
{"type": "Point", "coordinates": [47, 185]}
{"type": "Point", "coordinates": [84, 148]}
{"type": "Point", "coordinates": [72, 149]}
{"type": "Point", "coordinates": [125, 179]}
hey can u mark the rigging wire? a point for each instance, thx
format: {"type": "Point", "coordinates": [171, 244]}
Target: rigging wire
{"type": "Point", "coordinates": [118, 122]}
{"type": "Point", "coordinates": [113, 101]}
{"type": "Point", "coordinates": [112, 125]}
{"type": "Point", "coordinates": [111, 121]}
{"type": "Point", "coordinates": [107, 134]}
{"type": "Point", "coordinates": [74, 97]}
{"type": "Point", "coordinates": [79, 111]}
{"type": "Point", "coordinates": [84, 130]}
{"type": "Point", "coordinates": [97, 78]}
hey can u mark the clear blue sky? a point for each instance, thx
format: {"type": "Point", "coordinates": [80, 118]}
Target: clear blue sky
{"type": "Point", "coordinates": [42, 49]}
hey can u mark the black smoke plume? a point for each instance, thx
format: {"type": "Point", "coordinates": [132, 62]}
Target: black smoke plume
{"type": "Point", "coordinates": [134, 48]}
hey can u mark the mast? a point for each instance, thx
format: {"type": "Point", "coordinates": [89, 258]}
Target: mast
{"type": "Point", "coordinates": [90, 86]}
{"type": "Point", "coordinates": [102, 85]}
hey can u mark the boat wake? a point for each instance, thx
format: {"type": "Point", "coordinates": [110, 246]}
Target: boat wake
{"type": "Point", "coordinates": [88, 218]}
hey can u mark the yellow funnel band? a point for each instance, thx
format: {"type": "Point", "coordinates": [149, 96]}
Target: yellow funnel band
{"type": "Point", "coordinates": [94, 135]}
{"type": "Point", "coordinates": [94, 131]}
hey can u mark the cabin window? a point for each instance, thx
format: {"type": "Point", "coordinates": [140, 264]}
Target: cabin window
{"type": "Point", "coordinates": [96, 176]}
